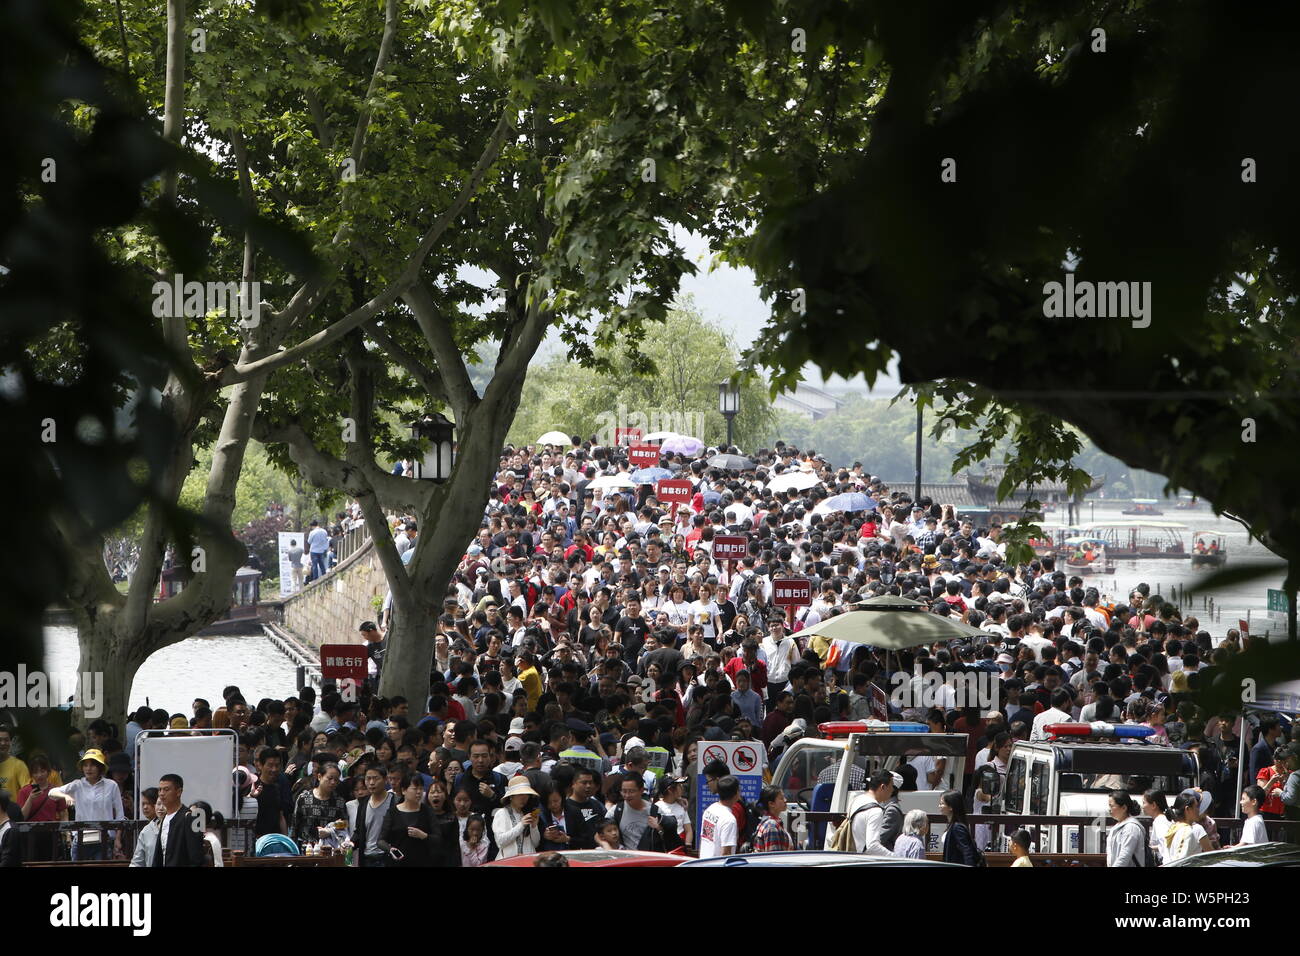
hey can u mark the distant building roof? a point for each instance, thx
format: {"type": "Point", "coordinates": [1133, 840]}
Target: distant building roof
{"type": "Point", "coordinates": [808, 401]}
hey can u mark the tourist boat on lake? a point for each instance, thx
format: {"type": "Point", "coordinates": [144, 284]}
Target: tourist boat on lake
{"type": "Point", "coordinates": [1209, 550]}
{"type": "Point", "coordinates": [1140, 539]}
{"type": "Point", "coordinates": [1086, 555]}
{"type": "Point", "coordinates": [1143, 508]}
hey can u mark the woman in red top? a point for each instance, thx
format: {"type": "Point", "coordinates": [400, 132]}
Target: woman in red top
{"type": "Point", "coordinates": [39, 807]}
{"type": "Point", "coordinates": [1271, 780]}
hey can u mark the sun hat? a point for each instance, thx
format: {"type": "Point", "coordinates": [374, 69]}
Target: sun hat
{"type": "Point", "coordinates": [1203, 796]}
{"type": "Point", "coordinates": [518, 786]}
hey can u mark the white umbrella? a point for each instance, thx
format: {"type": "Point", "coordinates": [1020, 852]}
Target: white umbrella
{"type": "Point", "coordinates": [555, 438]}
{"type": "Point", "coordinates": [607, 482]}
{"type": "Point", "coordinates": [793, 481]}
{"type": "Point", "coordinates": [890, 622]}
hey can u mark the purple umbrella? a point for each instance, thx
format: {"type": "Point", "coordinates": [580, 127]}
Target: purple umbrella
{"type": "Point", "coordinates": [682, 445]}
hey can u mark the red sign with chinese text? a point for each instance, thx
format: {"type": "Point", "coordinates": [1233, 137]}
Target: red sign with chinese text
{"type": "Point", "coordinates": [643, 456]}
{"type": "Point", "coordinates": [339, 661]}
{"type": "Point", "coordinates": [674, 491]}
{"type": "Point", "coordinates": [791, 592]}
{"type": "Point", "coordinates": [730, 547]}
{"type": "Point", "coordinates": [628, 435]}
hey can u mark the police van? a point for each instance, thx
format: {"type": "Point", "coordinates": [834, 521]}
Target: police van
{"type": "Point", "coordinates": [828, 774]}
{"type": "Point", "coordinates": [1072, 773]}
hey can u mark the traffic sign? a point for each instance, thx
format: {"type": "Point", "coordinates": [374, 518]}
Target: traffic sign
{"type": "Point", "coordinates": [792, 592]}
{"type": "Point", "coordinates": [714, 753]}
{"type": "Point", "coordinates": [730, 547]}
{"type": "Point", "coordinates": [1277, 606]}
{"type": "Point", "coordinates": [643, 456]}
{"type": "Point", "coordinates": [674, 491]}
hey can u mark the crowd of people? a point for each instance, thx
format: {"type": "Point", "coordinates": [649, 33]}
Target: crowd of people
{"type": "Point", "coordinates": [590, 643]}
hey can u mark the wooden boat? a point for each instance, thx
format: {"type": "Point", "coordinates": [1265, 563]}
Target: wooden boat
{"type": "Point", "coordinates": [1208, 550]}
{"type": "Point", "coordinates": [1143, 508]}
{"type": "Point", "coordinates": [1140, 539]}
{"type": "Point", "coordinates": [1087, 555]}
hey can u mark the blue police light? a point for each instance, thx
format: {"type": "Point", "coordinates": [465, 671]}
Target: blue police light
{"type": "Point", "coordinates": [1133, 731]}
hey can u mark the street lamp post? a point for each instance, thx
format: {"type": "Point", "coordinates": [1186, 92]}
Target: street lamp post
{"type": "Point", "coordinates": [920, 412]}
{"type": "Point", "coordinates": [438, 458]}
{"type": "Point", "coordinates": [728, 404]}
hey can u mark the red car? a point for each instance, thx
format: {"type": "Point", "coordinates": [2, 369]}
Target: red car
{"type": "Point", "coordinates": [601, 858]}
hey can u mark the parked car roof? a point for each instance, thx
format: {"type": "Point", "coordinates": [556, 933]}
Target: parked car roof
{"type": "Point", "coordinates": [811, 858]}
{"type": "Point", "coordinates": [1256, 854]}
{"type": "Point", "coordinates": [601, 858]}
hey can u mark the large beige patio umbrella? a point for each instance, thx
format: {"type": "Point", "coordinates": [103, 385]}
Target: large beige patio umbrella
{"type": "Point", "coordinates": [892, 623]}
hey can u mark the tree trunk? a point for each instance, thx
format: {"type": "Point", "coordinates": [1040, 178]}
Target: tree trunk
{"type": "Point", "coordinates": [109, 658]}
{"type": "Point", "coordinates": [408, 657]}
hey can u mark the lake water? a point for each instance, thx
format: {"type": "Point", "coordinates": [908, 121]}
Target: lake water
{"type": "Point", "coordinates": [1167, 576]}
{"type": "Point", "coordinates": [197, 667]}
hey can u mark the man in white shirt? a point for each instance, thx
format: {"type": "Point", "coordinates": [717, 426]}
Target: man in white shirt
{"type": "Point", "coordinates": [95, 797]}
{"type": "Point", "coordinates": [867, 819]}
{"type": "Point", "coordinates": [1058, 713]}
{"type": "Point", "coordinates": [318, 543]}
{"type": "Point", "coordinates": [718, 836]}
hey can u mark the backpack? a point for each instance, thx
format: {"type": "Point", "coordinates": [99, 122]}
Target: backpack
{"type": "Point", "coordinates": [842, 841]}
{"type": "Point", "coordinates": [746, 585]}
{"type": "Point", "coordinates": [668, 837]}
{"type": "Point", "coordinates": [745, 839]}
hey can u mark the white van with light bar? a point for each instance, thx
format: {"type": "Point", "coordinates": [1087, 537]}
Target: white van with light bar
{"type": "Point", "coordinates": [1072, 773]}
{"type": "Point", "coordinates": [816, 777]}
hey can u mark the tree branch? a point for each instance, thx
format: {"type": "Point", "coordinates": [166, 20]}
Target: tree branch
{"type": "Point", "coordinates": [518, 352]}
{"type": "Point", "coordinates": [326, 471]}
{"type": "Point", "coordinates": [385, 48]}
{"type": "Point", "coordinates": [323, 128]}
{"type": "Point", "coordinates": [437, 332]}
{"type": "Point", "coordinates": [306, 298]}
{"type": "Point", "coordinates": [173, 129]}
{"type": "Point", "coordinates": [429, 381]}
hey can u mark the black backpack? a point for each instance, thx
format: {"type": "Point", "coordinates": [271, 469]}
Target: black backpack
{"type": "Point", "coordinates": [746, 585]}
{"type": "Point", "coordinates": [745, 839]}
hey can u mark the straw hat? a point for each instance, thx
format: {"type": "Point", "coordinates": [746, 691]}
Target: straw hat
{"type": "Point", "coordinates": [518, 785]}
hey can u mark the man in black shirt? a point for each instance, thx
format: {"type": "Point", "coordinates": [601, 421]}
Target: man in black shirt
{"type": "Point", "coordinates": [266, 791]}
{"type": "Point", "coordinates": [582, 804]}
{"type": "Point", "coordinates": [631, 630]}
{"type": "Point", "coordinates": [375, 646]}
{"type": "Point", "coordinates": [486, 787]}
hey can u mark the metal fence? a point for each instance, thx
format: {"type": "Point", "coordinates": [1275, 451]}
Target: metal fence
{"type": "Point", "coordinates": [350, 542]}
{"type": "Point", "coordinates": [52, 840]}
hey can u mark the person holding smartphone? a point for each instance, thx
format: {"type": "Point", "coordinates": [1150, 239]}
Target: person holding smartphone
{"type": "Point", "coordinates": [39, 807]}
{"type": "Point", "coordinates": [515, 826]}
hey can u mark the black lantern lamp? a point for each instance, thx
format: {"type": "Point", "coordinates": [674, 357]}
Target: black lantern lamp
{"type": "Point", "coordinates": [440, 434]}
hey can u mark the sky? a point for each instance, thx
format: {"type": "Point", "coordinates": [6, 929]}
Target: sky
{"type": "Point", "coordinates": [729, 298]}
